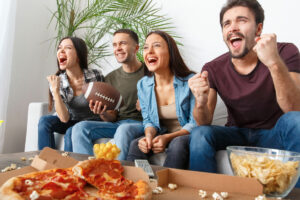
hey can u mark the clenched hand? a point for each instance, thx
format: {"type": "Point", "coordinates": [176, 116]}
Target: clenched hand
{"type": "Point", "coordinates": [199, 86]}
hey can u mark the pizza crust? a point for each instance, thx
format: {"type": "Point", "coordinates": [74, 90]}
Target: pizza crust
{"type": "Point", "coordinates": [83, 165]}
{"type": "Point", "coordinates": [7, 192]}
{"type": "Point", "coordinates": [144, 190]}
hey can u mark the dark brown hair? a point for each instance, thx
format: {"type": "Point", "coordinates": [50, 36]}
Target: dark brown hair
{"type": "Point", "coordinates": [82, 55]}
{"type": "Point", "coordinates": [177, 65]}
{"type": "Point", "coordinates": [252, 5]}
{"type": "Point", "coordinates": [131, 33]}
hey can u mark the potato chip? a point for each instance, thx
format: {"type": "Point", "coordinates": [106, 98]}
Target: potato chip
{"type": "Point", "coordinates": [274, 175]}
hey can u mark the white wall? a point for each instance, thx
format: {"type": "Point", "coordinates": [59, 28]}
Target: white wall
{"type": "Point", "coordinates": [197, 22]}
{"type": "Point", "coordinates": [32, 61]}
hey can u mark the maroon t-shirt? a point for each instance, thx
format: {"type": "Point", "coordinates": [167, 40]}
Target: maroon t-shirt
{"type": "Point", "coordinates": [250, 99]}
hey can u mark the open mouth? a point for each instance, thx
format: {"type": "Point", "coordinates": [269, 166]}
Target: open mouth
{"type": "Point", "coordinates": [152, 60]}
{"type": "Point", "coordinates": [236, 41]}
{"type": "Point", "coordinates": [62, 60]}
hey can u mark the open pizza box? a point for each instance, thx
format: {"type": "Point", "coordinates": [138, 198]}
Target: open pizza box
{"type": "Point", "coordinates": [50, 158]}
{"type": "Point", "coordinates": [189, 182]}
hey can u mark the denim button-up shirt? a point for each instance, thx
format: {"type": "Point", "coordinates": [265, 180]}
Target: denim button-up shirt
{"type": "Point", "coordinates": [184, 100]}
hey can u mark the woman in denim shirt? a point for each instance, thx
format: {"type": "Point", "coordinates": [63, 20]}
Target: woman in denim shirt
{"type": "Point", "coordinates": [166, 103]}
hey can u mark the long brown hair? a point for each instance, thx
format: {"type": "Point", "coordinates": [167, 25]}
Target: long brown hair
{"type": "Point", "coordinates": [177, 65]}
{"type": "Point", "coordinates": [82, 55]}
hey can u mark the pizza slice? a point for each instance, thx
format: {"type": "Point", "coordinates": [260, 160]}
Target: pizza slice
{"type": "Point", "coordinates": [45, 185]}
{"type": "Point", "coordinates": [106, 176]}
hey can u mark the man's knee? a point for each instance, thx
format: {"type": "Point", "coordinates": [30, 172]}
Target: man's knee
{"type": "Point", "coordinates": [123, 130]}
{"type": "Point", "coordinates": [128, 131]}
{"type": "Point", "coordinates": [79, 129]}
{"type": "Point", "coordinates": [290, 122]}
{"type": "Point", "coordinates": [292, 117]}
{"type": "Point", "coordinates": [201, 132]}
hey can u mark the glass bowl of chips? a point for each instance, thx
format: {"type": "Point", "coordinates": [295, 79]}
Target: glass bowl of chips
{"type": "Point", "coordinates": [277, 170]}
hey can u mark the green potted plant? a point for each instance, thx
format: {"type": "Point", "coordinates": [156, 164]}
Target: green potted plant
{"type": "Point", "coordinates": [92, 20]}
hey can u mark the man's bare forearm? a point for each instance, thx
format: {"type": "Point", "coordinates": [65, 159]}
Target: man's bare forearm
{"type": "Point", "coordinates": [287, 92]}
{"type": "Point", "coordinates": [202, 115]}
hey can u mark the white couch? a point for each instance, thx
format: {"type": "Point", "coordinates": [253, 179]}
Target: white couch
{"type": "Point", "coordinates": [38, 109]}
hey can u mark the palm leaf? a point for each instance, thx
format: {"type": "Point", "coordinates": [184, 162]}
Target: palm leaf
{"type": "Point", "coordinates": [93, 20]}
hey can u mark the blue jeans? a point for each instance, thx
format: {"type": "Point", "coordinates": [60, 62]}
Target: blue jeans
{"type": "Point", "coordinates": [206, 140]}
{"type": "Point", "coordinates": [49, 124]}
{"type": "Point", "coordinates": [86, 132]}
{"type": "Point", "coordinates": [177, 152]}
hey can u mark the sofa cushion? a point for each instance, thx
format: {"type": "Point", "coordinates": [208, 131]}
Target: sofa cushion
{"type": "Point", "coordinates": [37, 109]}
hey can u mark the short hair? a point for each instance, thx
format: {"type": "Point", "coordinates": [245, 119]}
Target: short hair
{"type": "Point", "coordinates": [131, 33]}
{"type": "Point", "coordinates": [253, 5]}
{"type": "Point", "coordinates": [176, 62]}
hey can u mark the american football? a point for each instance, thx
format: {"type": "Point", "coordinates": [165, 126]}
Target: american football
{"type": "Point", "coordinates": [104, 92]}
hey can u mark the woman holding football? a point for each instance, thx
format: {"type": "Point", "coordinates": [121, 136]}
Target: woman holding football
{"type": "Point", "coordinates": [66, 93]}
{"type": "Point", "coordinates": [166, 103]}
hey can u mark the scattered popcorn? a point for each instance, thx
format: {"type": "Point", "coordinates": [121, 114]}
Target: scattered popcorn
{"type": "Point", "coordinates": [157, 190]}
{"type": "Point", "coordinates": [9, 168]}
{"type": "Point", "coordinates": [91, 157]}
{"type": "Point", "coordinates": [260, 197]}
{"type": "Point", "coordinates": [30, 158]}
{"type": "Point", "coordinates": [172, 186]}
{"type": "Point", "coordinates": [6, 169]}
{"type": "Point", "coordinates": [152, 180]}
{"type": "Point", "coordinates": [216, 196]}
{"type": "Point", "coordinates": [202, 193]}
{"type": "Point", "coordinates": [13, 166]}
{"type": "Point", "coordinates": [224, 195]}
{"type": "Point", "coordinates": [65, 154]}
{"type": "Point", "coordinates": [23, 158]}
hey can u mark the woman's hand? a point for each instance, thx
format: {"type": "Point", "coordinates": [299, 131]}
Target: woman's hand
{"type": "Point", "coordinates": [54, 82]}
{"type": "Point", "coordinates": [138, 106]}
{"type": "Point", "coordinates": [159, 143]}
{"type": "Point", "coordinates": [144, 144]}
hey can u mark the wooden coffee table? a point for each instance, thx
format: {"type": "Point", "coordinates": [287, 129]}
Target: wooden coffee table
{"type": "Point", "coordinates": [8, 159]}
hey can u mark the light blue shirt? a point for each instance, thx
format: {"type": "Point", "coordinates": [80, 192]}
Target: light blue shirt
{"type": "Point", "coordinates": [184, 100]}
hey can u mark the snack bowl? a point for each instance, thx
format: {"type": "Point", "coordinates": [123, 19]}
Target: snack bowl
{"type": "Point", "coordinates": [277, 170]}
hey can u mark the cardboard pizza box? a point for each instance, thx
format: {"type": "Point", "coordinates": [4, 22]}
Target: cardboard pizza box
{"type": "Point", "coordinates": [190, 182]}
{"type": "Point", "coordinates": [50, 158]}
